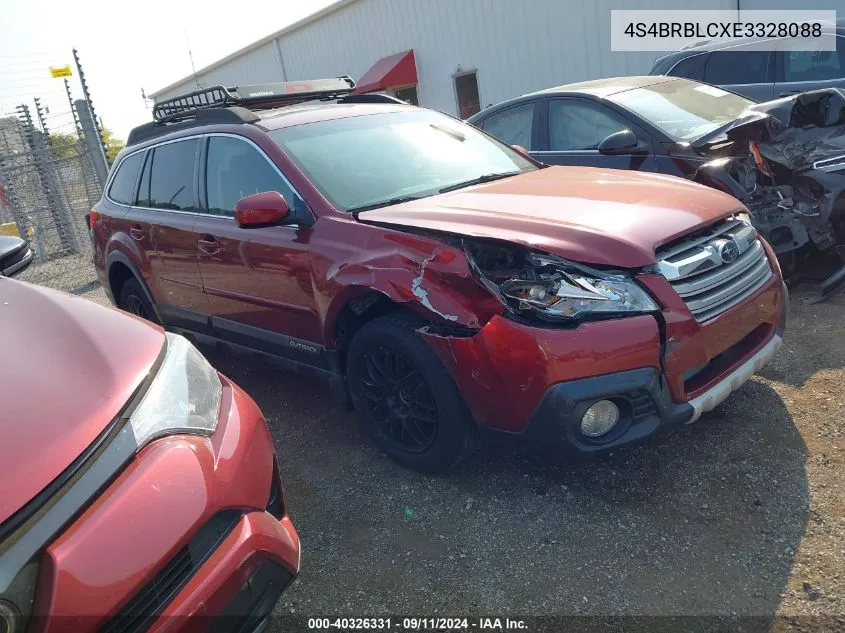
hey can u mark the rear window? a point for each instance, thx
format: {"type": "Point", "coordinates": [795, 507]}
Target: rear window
{"type": "Point", "coordinates": [122, 187]}
{"type": "Point", "coordinates": [172, 176]}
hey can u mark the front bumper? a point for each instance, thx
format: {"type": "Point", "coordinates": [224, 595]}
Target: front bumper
{"type": "Point", "coordinates": [664, 369]}
{"type": "Point", "coordinates": [180, 532]}
{"type": "Point", "coordinates": [644, 400]}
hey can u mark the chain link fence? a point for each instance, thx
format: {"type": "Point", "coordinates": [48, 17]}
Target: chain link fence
{"type": "Point", "coordinates": [47, 189]}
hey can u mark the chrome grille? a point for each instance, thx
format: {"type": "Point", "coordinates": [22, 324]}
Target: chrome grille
{"type": "Point", "coordinates": [714, 272]}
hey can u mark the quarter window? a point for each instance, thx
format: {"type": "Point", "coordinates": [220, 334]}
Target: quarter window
{"type": "Point", "coordinates": [236, 169]}
{"type": "Point", "coordinates": [172, 176]}
{"type": "Point", "coordinates": [512, 126]}
{"type": "Point", "coordinates": [122, 187]}
{"type": "Point", "coordinates": [575, 125]}
{"type": "Point", "coordinates": [686, 67]}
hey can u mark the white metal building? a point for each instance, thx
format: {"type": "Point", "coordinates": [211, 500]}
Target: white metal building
{"type": "Point", "coordinates": [452, 55]}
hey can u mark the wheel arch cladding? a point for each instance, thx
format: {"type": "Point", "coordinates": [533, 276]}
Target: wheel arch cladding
{"type": "Point", "coordinates": [423, 274]}
{"type": "Point", "coordinates": [119, 273]}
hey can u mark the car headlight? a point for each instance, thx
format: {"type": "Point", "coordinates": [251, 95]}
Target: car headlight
{"type": "Point", "coordinates": [184, 396]}
{"type": "Point", "coordinates": [553, 289]}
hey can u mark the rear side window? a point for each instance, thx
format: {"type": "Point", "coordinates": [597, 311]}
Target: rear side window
{"type": "Point", "coordinates": [578, 125]}
{"type": "Point", "coordinates": [512, 126]}
{"type": "Point", "coordinates": [122, 187]}
{"type": "Point", "coordinates": [235, 169]}
{"type": "Point", "coordinates": [726, 68]}
{"type": "Point", "coordinates": [172, 176]}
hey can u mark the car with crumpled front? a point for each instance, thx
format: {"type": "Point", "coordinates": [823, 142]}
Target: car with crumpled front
{"type": "Point", "coordinates": [441, 282]}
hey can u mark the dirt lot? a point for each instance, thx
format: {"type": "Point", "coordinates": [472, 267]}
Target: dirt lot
{"type": "Point", "coordinates": [742, 513]}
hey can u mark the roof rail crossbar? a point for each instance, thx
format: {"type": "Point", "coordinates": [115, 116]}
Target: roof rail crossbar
{"type": "Point", "coordinates": [254, 97]}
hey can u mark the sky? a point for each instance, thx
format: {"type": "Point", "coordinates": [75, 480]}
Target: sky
{"type": "Point", "coordinates": [124, 46]}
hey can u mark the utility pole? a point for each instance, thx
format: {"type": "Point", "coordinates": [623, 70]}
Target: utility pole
{"type": "Point", "coordinates": [89, 131]}
{"type": "Point", "coordinates": [87, 96]}
{"type": "Point", "coordinates": [73, 110]}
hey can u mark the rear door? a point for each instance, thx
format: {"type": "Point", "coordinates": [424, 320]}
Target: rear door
{"type": "Point", "coordinates": [575, 127]}
{"type": "Point", "coordinates": [741, 70]}
{"type": "Point", "coordinates": [258, 280]}
{"type": "Point", "coordinates": [168, 204]}
{"type": "Point", "coordinates": [799, 71]}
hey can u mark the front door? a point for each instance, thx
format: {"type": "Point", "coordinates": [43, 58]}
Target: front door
{"type": "Point", "coordinates": [258, 280]}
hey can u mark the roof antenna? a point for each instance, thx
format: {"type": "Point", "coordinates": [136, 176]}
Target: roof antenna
{"type": "Point", "coordinates": [191, 57]}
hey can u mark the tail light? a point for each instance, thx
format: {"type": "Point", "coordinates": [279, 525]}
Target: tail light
{"type": "Point", "coordinates": [92, 217]}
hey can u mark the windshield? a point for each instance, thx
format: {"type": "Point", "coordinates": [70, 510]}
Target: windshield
{"type": "Point", "coordinates": [377, 159]}
{"type": "Point", "coordinates": [685, 110]}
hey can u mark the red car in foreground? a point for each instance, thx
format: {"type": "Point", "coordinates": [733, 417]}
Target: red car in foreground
{"type": "Point", "coordinates": [440, 279]}
{"type": "Point", "coordinates": [139, 485]}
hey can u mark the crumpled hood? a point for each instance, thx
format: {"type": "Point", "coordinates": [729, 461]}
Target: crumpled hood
{"type": "Point", "coordinates": [68, 367]}
{"type": "Point", "coordinates": [599, 216]}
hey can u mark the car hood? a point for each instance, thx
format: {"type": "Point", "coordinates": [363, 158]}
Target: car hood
{"type": "Point", "coordinates": [69, 366]}
{"type": "Point", "coordinates": [598, 216]}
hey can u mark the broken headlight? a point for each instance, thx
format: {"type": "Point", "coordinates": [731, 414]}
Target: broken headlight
{"type": "Point", "coordinates": [554, 289]}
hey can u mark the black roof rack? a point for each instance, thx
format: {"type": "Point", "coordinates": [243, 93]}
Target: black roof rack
{"type": "Point", "coordinates": [235, 105]}
{"type": "Point", "coordinates": [255, 97]}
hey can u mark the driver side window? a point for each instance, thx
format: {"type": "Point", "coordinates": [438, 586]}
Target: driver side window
{"type": "Point", "coordinates": [235, 169]}
{"type": "Point", "coordinates": [579, 125]}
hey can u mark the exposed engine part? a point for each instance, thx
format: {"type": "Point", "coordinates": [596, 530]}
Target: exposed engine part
{"type": "Point", "coordinates": [787, 165]}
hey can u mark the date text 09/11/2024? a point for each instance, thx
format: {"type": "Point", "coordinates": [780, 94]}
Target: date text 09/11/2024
{"type": "Point", "coordinates": [416, 624]}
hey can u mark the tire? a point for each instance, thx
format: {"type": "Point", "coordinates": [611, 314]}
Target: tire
{"type": "Point", "coordinates": [134, 300]}
{"type": "Point", "coordinates": [420, 420]}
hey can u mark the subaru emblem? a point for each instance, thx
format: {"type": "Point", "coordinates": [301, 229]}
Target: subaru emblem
{"type": "Point", "coordinates": [728, 250]}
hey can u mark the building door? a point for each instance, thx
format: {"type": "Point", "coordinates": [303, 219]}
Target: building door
{"type": "Point", "coordinates": [466, 90]}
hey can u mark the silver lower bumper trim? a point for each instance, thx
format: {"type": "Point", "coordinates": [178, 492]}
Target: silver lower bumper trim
{"type": "Point", "coordinates": [733, 381]}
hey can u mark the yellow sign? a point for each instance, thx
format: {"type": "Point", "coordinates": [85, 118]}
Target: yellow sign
{"type": "Point", "coordinates": [61, 71]}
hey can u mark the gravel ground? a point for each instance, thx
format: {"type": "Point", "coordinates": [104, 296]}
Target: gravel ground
{"type": "Point", "coordinates": [740, 514]}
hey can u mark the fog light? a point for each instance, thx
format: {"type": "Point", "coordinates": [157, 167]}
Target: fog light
{"type": "Point", "coordinates": [600, 418]}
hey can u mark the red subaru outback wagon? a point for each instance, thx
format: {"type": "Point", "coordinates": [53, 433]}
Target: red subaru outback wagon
{"type": "Point", "coordinates": [439, 279]}
{"type": "Point", "coordinates": [140, 486]}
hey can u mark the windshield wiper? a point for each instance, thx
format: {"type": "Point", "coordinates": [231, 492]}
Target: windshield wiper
{"type": "Point", "coordinates": [479, 180]}
{"type": "Point", "coordinates": [384, 203]}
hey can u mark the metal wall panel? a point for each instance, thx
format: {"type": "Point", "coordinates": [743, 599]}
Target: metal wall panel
{"type": "Point", "coordinates": [516, 46]}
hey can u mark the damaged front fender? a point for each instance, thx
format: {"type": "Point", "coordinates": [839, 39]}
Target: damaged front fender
{"type": "Point", "coordinates": [424, 274]}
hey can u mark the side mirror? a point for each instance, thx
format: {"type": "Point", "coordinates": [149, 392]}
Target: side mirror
{"type": "Point", "coordinates": [15, 255]}
{"type": "Point", "coordinates": [261, 209]}
{"type": "Point", "coordinates": [621, 142]}
{"type": "Point", "coordinates": [521, 150]}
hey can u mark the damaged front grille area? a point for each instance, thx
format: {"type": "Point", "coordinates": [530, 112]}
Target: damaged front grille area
{"type": "Point", "coordinates": [714, 272]}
